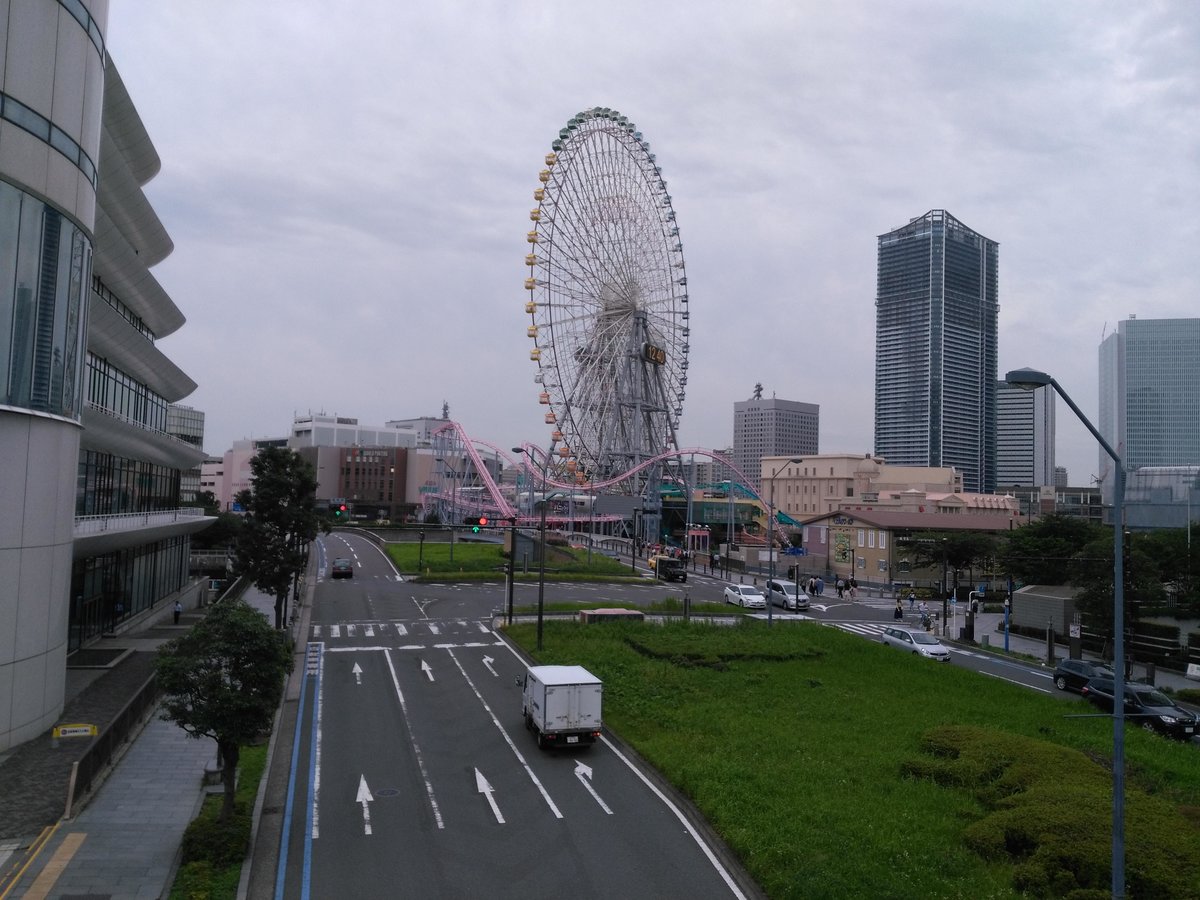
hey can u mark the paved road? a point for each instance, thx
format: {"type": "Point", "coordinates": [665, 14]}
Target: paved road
{"type": "Point", "coordinates": [413, 775]}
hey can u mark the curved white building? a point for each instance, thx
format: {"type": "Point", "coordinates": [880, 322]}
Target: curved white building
{"type": "Point", "coordinates": [92, 534]}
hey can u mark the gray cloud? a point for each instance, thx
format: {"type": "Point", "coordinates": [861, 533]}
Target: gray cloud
{"type": "Point", "coordinates": [357, 178]}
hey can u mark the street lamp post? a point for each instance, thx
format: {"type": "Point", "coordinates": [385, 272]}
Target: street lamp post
{"type": "Point", "coordinates": [542, 551]}
{"type": "Point", "coordinates": [771, 535]}
{"type": "Point", "coordinates": [1031, 379]}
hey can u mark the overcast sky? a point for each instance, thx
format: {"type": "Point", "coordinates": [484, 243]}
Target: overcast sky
{"type": "Point", "coordinates": [348, 188]}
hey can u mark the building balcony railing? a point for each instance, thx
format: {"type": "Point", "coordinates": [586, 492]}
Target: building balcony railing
{"type": "Point", "coordinates": [89, 525]}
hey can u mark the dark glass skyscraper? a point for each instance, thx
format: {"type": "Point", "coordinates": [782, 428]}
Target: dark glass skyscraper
{"type": "Point", "coordinates": [936, 309]}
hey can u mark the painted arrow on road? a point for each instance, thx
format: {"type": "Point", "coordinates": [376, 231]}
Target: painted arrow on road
{"type": "Point", "coordinates": [487, 661]}
{"type": "Point", "coordinates": [357, 670]}
{"type": "Point", "coordinates": [426, 669]}
{"type": "Point", "coordinates": [481, 785]}
{"type": "Point", "coordinates": [364, 797]}
{"type": "Point", "coordinates": [584, 774]}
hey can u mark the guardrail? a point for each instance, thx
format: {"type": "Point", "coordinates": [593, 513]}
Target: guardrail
{"type": "Point", "coordinates": [129, 521]}
{"type": "Point", "coordinates": [104, 746]}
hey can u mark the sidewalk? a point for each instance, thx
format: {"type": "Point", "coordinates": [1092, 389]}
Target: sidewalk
{"type": "Point", "coordinates": [125, 842]}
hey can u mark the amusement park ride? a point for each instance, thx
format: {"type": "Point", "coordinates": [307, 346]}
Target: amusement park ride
{"type": "Point", "coordinates": [608, 317]}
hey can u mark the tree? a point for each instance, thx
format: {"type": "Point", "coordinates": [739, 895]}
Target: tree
{"type": "Point", "coordinates": [956, 550]}
{"type": "Point", "coordinates": [1041, 552]}
{"type": "Point", "coordinates": [281, 520]}
{"type": "Point", "coordinates": [223, 679]}
{"type": "Point", "coordinates": [1092, 572]}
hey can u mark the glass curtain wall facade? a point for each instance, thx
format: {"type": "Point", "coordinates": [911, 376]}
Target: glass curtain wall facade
{"type": "Point", "coordinates": [1150, 393]}
{"type": "Point", "coordinates": [937, 308]}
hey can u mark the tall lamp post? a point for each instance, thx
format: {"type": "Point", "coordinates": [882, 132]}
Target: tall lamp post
{"type": "Point", "coordinates": [771, 533]}
{"type": "Point", "coordinates": [1031, 379]}
{"type": "Point", "coordinates": [542, 550]}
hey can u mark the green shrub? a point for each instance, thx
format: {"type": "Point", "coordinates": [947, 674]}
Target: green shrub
{"type": "Point", "coordinates": [220, 844]}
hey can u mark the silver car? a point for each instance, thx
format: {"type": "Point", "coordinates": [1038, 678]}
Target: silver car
{"type": "Point", "coordinates": [922, 643]}
{"type": "Point", "coordinates": [746, 595]}
{"type": "Point", "coordinates": [787, 594]}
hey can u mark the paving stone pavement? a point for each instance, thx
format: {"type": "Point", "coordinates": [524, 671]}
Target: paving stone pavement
{"type": "Point", "coordinates": [124, 842]}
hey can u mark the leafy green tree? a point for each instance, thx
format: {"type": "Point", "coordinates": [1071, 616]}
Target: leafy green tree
{"type": "Point", "coordinates": [223, 679]}
{"type": "Point", "coordinates": [1092, 572]}
{"type": "Point", "coordinates": [221, 534]}
{"type": "Point", "coordinates": [281, 520]}
{"type": "Point", "coordinates": [956, 550]}
{"type": "Point", "coordinates": [1042, 551]}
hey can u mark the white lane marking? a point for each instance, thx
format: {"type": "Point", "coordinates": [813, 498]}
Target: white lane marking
{"type": "Point", "coordinates": [350, 630]}
{"type": "Point", "coordinates": [1021, 683]}
{"type": "Point", "coordinates": [483, 628]}
{"type": "Point", "coordinates": [425, 667]}
{"type": "Point", "coordinates": [437, 813]}
{"type": "Point", "coordinates": [316, 631]}
{"type": "Point", "coordinates": [413, 647]}
{"type": "Point", "coordinates": [487, 664]}
{"type": "Point", "coordinates": [335, 631]}
{"type": "Point", "coordinates": [316, 803]}
{"type": "Point", "coordinates": [507, 738]}
{"type": "Point", "coordinates": [357, 670]}
{"type": "Point", "coordinates": [434, 629]}
{"type": "Point", "coordinates": [364, 797]}
{"type": "Point", "coordinates": [482, 785]}
{"type": "Point", "coordinates": [584, 774]}
{"type": "Point", "coordinates": [704, 848]}
{"type": "Point", "coordinates": [400, 629]}
{"type": "Point", "coordinates": [368, 631]}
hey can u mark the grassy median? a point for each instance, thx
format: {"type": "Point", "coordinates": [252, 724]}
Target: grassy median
{"type": "Point", "coordinates": [836, 767]}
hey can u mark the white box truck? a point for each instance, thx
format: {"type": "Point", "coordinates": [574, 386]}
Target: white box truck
{"type": "Point", "coordinates": [561, 705]}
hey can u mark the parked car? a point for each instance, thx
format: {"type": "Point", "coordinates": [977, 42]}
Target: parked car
{"type": "Point", "coordinates": [787, 594]}
{"type": "Point", "coordinates": [1145, 705]}
{"type": "Point", "coordinates": [921, 643]}
{"type": "Point", "coordinates": [1073, 674]}
{"type": "Point", "coordinates": [746, 595]}
{"type": "Point", "coordinates": [342, 568]}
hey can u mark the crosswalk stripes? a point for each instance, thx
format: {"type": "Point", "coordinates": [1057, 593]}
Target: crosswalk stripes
{"type": "Point", "coordinates": [337, 630]}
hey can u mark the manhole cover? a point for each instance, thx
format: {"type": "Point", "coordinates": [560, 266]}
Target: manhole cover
{"type": "Point", "coordinates": [387, 792]}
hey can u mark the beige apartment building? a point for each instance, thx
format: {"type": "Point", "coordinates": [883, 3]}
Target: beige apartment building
{"type": "Point", "coordinates": [851, 508]}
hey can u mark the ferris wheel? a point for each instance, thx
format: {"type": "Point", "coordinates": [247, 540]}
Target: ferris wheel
{"type": "Point", "coordinates": [607, 299]}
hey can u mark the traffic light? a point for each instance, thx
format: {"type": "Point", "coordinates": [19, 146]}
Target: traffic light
{"type": "Point", "coordinates": [339, 511]}
{"type": "Point", "coordinates": [476, 522]}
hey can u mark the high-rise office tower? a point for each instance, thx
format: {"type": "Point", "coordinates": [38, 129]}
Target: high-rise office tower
{"type": "Point", "coordinates": [1024, 437]}
{"type": "Point", "coordinates": [1150, 394]}
{"type": "Point", "coordinates": [770, 427]}
{"type": "Point", "coordinates": [935, 348]}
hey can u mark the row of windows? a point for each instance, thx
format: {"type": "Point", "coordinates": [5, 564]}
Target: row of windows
{"type": "Point", "coordinates": [108, 589]}
{"type": "Point", "coordinates": [112, 390]}
{"type": "Point", "coordinates": [13, 110]}
{"type": "Point", "coordinates": [44, 265]}
{"type": "Point", "coordinates": [103, 292]}
{"type": "Point", "coordinates": [86, 21]}
{"type": "Point", "coordinates": [107, 485]}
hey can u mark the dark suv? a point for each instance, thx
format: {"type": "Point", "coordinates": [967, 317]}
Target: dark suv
{"type": "Point", "coordinates": [1073, 674]}
{"type": "Point", "coordinates": [1145, 705]}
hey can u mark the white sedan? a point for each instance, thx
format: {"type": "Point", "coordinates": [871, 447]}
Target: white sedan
{"type": "Point", "coordinates": [746, 595]}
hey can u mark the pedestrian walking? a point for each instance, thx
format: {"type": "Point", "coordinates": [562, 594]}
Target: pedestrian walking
{"type": "Point", "coordinates": [841, 588]}
{"type": "Point", "coordinates": [912, 599]}
{"type": "Point", "coordinates": [898, 612]}
{"type": "Point", "coordinates": [820, 585]}
{"type": "Point", "coordinates": [178, 611]}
